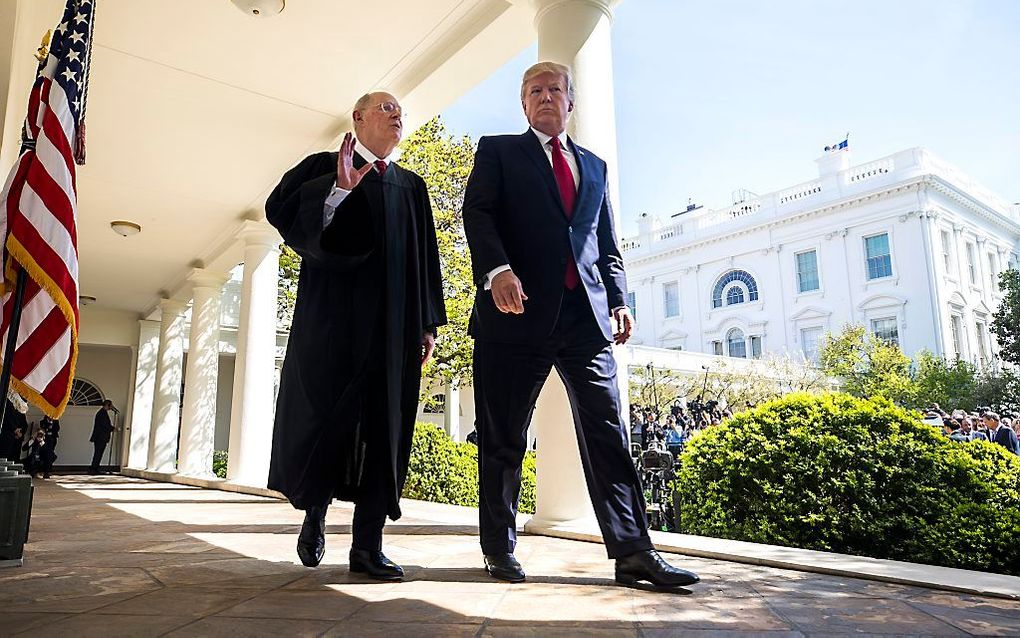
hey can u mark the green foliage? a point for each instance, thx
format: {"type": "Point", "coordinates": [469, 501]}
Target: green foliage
{"type": "Point", "coordinates": [867, 366]}
{"type": "Point", "coordinates": [286, 294]}
{"type": "Point", "coordinates": [854, 476]}
{"type": "Point", "coordinates": [445, 162]}
{"type": "Point", "coordinates": [1006, 320]}
{"type": "Point", "coordinates": [999, 390]}
{"type": "Point", "coordinates": [219, 463]}
{"type": "Point", "coordinates": [444, 471]}
{"type": "Point", "coordinates": [951, 384]}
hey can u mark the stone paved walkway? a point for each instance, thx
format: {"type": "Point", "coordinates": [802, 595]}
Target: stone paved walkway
{"type": "Point", "coordinates": [112, 556]}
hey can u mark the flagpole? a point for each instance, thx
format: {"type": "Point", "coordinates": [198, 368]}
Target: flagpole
{"type": "Point", "coordinates": [12, 339]}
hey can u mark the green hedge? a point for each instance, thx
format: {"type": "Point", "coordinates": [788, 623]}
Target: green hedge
{"type": "Point", "coordinates": [443, 471]}
{"type": "Point", "coordinates": [853, 476]}
{"type": "Point", "coordinates": [440, 470]}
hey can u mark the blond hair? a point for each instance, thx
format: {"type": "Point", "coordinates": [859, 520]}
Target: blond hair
{"type": "Point", "coordinates": [549, 67]}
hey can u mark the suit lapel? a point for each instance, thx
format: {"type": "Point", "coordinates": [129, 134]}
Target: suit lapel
{"type": "Point", "coordinates": [583, 167]}
{"type": "Point", "coordinates": [533, 149]}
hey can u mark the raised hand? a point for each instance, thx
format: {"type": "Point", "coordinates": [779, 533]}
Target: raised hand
{"type": "Point", "coordinates": [347, 177]}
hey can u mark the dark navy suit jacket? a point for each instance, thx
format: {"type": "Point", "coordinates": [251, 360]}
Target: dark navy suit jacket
{"type": "Point", "coordinates": [1007, 439]}
{"type": "Point", "coordinates": [513, 214]}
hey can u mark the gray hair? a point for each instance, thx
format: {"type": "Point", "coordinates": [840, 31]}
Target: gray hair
{"type": "Point", "coordinates": [549, 67]}
{"type": "Point", "coordinates": [362, 102]}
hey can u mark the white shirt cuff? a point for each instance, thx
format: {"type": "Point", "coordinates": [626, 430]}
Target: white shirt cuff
{"type": "Point", "coordinates": [333, 200]}
{"type": "Point", "coordinates": [492, 273]}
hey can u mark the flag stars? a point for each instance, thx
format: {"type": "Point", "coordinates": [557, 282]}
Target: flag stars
{"type": "Point", "coordinates": [69, 74]}
{"type": "Point", "coordinates": [62, 27]}
{"type": "Point", "coordinates": [77, 37]}
{"type": "Point", "coordinates": [72, 56]}
{"type": "Point", "coordinates": [78, 19]}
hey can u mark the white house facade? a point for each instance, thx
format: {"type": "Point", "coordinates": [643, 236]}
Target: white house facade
{"type": "Point", "coordinates": [907, 245]}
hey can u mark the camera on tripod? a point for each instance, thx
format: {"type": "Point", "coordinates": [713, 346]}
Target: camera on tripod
{"type": "Point", "coordinates": [655, 459]}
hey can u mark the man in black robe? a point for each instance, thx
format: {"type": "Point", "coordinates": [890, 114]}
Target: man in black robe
{"type": "Point", "coordinates": [369, 301]}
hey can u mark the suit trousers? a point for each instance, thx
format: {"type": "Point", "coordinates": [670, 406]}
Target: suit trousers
{"type": "Point", "coordinates": [97, 454]}
{"type": "Point", "coordinates": [508, 379]}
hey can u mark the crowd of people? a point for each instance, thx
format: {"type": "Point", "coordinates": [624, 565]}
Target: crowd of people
{"type": "Point", "coordinates": [32, 444]}
{"type": "Point", "coordinates": [980, 425]}
{"type": "Point", "coordinates": [671, 428]}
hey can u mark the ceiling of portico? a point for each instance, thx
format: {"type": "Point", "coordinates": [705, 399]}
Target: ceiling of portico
{"type": "Point", "coordinates": [195, 110]}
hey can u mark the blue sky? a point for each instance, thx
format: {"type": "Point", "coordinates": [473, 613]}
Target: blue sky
{"type": "Point", "coordinates": [727, 94]}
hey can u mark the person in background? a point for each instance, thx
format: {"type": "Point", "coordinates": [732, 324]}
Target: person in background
{"type": "Point", "coordinates": [52, 429]}
{"type": "Point", "coordinates": [102, 430]}
{"type": "Point", "coordinates": [1004, 436]}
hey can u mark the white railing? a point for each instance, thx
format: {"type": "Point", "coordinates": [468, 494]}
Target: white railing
{"type": "Point", "coordinates": [856, 174]}
{"type": "Point", "coordinates": [799, 192]}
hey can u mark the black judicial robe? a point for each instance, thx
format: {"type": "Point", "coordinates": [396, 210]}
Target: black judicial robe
{"type": "Point", "coordinates": [374, 268]}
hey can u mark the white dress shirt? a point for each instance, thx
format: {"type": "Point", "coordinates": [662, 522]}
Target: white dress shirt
{"type": "Point", "coordinates": [338, 194]}
{"type": "Point", "coordinates": [571, 163]}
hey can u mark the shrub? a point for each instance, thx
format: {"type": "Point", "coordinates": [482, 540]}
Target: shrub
{"type": "Point", "coordinates": [219, 463]}
{"type": "Point", "coordinates": [444, 471]}
{"type": "Point", "coordinates": [855, 476]}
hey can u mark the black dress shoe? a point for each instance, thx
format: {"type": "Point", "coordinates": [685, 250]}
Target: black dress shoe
{"type": "Point", "coordinates": [311, 542]}
{"type": "Point", "coordinates": [374, 564]}
{"type": "Point", "coordinates": [649, 566]}
{"type": "Point", "coordinates": [504, 567]}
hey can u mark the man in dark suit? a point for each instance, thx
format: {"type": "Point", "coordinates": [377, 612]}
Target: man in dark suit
{"type": "Point", "coordinates": [998, 433]}
{"type": "Point", "coordinates": [551, 293]}
{"type": "Point", "coordinates": [102, 429]}
{"type": "Point", "coordinates": [369, 302]}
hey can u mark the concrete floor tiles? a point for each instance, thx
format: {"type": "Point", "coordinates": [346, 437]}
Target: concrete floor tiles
{"type": "Point", "coordinates": [117, 556]}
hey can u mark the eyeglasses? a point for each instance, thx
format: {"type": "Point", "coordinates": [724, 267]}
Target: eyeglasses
{"type": "Point", "coordinates": [387, 107]}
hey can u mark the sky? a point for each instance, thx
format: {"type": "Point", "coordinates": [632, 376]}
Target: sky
{"type": "Point", "coordinates": [719, 95]}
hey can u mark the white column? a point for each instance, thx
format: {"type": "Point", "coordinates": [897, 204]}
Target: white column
{"type": "Point", "coordinates": [252, 408]}
{"type": "Point", "coordinates": [198, 423]}
{"type": "Point", "coordinates": [166, 400]}
{"type": "Point", "coordinates": [575, 33]}
{"type": "Point", "coordinates": [451, 412]}
{"type": "Point", "coordinates": [145, 386]}
{"type": "Point", "coordinates": [578, 33]}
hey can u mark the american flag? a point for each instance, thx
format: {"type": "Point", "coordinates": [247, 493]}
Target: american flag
{"type": "Point", "coordinates": [38, 209]}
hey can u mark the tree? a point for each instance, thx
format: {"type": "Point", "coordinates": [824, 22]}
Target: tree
{"type": "Point", "coordinates": [999, 390]}
{"type": "Point", "coordinates": [867, 366]}
{"type": "Point", "coordinates": [444, 162]}
{"type": "Point", "coordinates": [951, 384]}
{"type": "Point", "coordinates": [1006, 320]}
{"type": "Point", "coordinates": [286, 294]}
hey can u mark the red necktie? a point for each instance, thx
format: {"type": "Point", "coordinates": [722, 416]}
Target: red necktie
{"type": "Point", "coordinates": [380, 166]}
{"type": "Point", "coordinates": [565, 182]}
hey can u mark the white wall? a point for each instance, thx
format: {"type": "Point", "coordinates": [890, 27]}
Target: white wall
{"type": "Point", "coordinates": [109, 369]}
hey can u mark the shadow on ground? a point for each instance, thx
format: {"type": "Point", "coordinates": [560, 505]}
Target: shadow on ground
{"type": "Point", "coordinates": [113, 556]}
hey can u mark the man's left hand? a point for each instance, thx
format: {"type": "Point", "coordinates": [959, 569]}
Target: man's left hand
{"type": "Point", "coordinates": [428, 346]}
{"type": "Point", "coordinates": [623, 325]}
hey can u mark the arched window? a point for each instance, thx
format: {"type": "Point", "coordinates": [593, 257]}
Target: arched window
{"type": "Point", "coordinates": [732, 287]}
{"type": "Point", "coordinates": [85, 393]}
{"type": "Point", "coordinates": [735, 344]}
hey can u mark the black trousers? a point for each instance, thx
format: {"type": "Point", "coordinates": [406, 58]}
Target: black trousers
{"type": "Point", "coordinates": [507, 382]}
{"type": "Point", "coordinates": [370, 506]}
{"type": "Point", "coordinates": [97, 455]}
